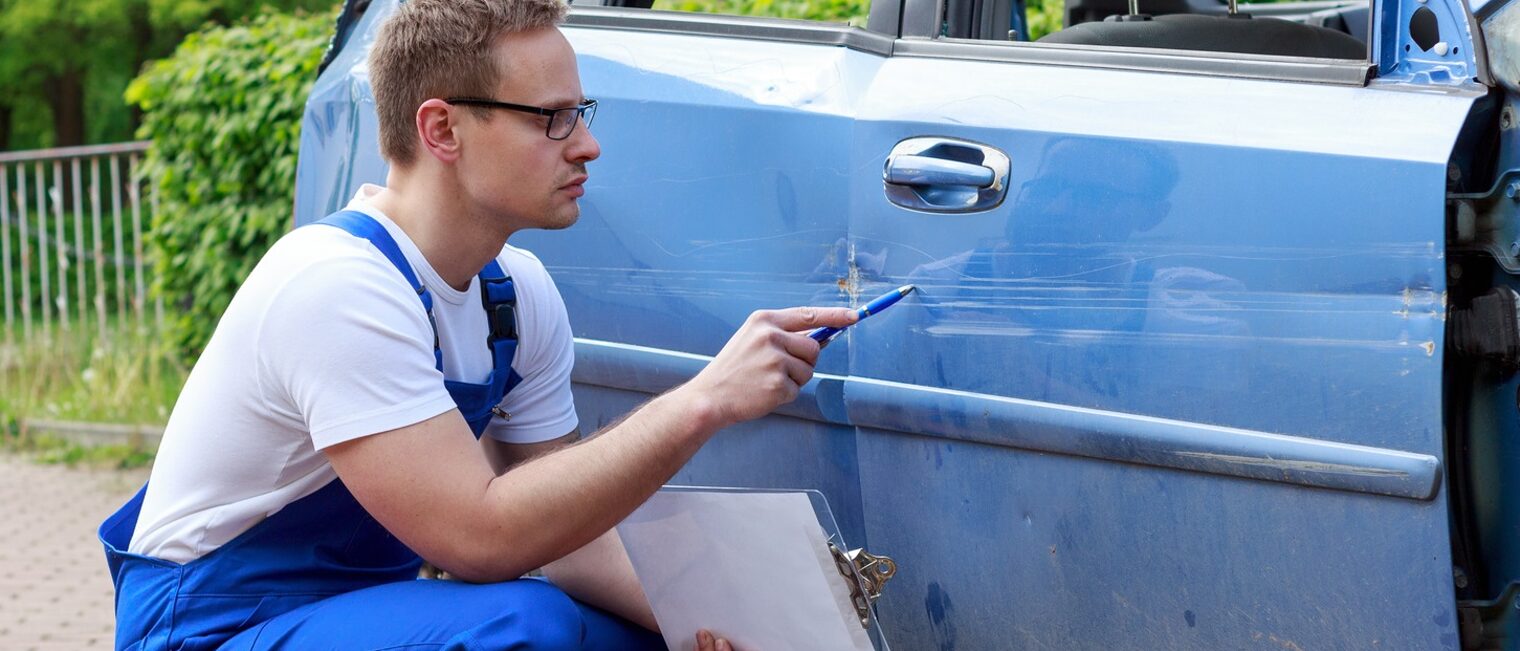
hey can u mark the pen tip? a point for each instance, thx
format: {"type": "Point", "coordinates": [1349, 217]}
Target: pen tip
{"type": "Point", "coordinates": [906, 289]}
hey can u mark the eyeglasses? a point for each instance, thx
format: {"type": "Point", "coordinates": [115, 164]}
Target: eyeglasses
{"type": "Point", "coordinates": [562, 121]}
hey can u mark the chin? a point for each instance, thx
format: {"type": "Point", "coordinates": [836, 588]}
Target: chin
{"type": "Point", "coordinates": [560, 222]}
{"type": "Point", "coordinates": [566, 221]}
{"type": "Point", "coordinates": [550, 220]}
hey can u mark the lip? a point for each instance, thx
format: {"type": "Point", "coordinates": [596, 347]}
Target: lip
{"type": "Point", "coordinates": [576, 186]}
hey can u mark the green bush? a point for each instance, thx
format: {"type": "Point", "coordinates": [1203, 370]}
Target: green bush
{"type": "Point", "coordinates": [853, 12]}
{"type": "Point", "coordinates": [224, 114]}
{"type": "Point", "coordinates": [1045, 17]}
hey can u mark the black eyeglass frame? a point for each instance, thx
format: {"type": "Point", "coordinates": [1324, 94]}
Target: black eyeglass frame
{"type": "Point", "coordinates": [587, 105]}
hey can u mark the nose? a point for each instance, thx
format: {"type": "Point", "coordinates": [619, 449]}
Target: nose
{"type": "Point", "coordinates": [583, 145]}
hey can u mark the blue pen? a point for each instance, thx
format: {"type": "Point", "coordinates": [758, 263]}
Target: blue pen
{"type": "Point", "coordinates": [825, 335]}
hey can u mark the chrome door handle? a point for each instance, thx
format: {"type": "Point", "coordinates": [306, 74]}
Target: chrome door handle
{"type": "Point", "coordinates": [927, 170]}
{"type": "Point", "coordinates": [945, 175]}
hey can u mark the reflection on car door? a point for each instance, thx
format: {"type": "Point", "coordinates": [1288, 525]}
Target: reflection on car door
{"type": "Point", "coordinates": [1176, 385]}
{"type": "Point", "coordinates": [722, 190]}
{"type": "Point", "coordinates": [1118, 415]}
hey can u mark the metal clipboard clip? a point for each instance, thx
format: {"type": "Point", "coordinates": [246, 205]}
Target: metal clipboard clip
{"type": "Point", "coordinates": [863, 574]}
{"type": "Point", "coordinates": [867, 574]}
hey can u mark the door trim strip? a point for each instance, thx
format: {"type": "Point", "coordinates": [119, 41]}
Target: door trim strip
{"type": "Point", "coordinates": [1046, 427]}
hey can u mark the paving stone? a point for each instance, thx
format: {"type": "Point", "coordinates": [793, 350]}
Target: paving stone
{"type": "Point", "coordinates": [54, 590]}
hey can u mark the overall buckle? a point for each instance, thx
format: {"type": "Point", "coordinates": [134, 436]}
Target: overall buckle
{"type": "Point", "coordinates": [503, 321]}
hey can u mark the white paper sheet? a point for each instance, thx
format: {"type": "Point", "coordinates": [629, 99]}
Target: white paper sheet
{"type": "Point", "coordinates": [753, 568]}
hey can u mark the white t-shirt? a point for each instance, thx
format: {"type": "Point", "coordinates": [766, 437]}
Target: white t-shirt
{"type": "Point", "coordinates": [326, 342]}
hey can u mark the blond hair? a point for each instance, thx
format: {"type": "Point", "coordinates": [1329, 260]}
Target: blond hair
{"type": "Point", "coordinates": [442, 48]}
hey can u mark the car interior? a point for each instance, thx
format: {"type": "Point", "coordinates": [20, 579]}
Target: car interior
{"type": "Point", "coordinates": [1326, 30]}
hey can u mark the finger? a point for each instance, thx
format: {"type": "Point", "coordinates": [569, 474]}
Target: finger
{"type": "Point", "coordinates": [799, 371]}
{"type": "Point", "coordinates": [705, 641]}
{"type": "Point", "coordinates": [800, 346]}
{"type": "Point", "coordinates": [724, 646]}
{"type": "Point", "coordinates": [795, 319]}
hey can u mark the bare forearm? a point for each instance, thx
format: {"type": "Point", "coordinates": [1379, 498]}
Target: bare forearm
{"type": "Point", "coordinates": [600, 574]}
{"type": "Point", "coordinates": [544, 509]}
{"type": "Point", "coordinates": [435, 491]}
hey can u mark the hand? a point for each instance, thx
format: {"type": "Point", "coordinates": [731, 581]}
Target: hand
{"type": "Point", "coordinates": [765, 363]}
{"type": "Point", "coordinates": [707, 642]}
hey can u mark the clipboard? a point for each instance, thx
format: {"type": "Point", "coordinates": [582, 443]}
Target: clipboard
{"type": "Point", "coordinates": [766, 569]}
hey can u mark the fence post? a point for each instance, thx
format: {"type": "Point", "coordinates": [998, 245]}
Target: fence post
{"type": "Point", "coordinates": [42, 252]}
{"type": "Point", "coordinates": [5, 251]}
{"type": "Point", "coordinates": [62, 301]}
{"type": "Point", "coordinates": [100, 255]}
{"type": "Point", "coordinates": [117, 258]}
{"type": "Point", "coordinates": [158, 299]}
{"type": "Point", "coordinates": [135, 196]}
{"type": "Point", "coordinates": [79, 245]}
{"type": "Point", "coordinates": [26, 256]}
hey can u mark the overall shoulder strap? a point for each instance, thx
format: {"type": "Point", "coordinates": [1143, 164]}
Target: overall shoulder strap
{"type": "Point", "coordinates": [499, 297]}
{"type": "Point", "coordinates": [359, 224]}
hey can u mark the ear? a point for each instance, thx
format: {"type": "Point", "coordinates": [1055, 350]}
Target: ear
{"type": "Point", "coordinates": [437, 130]}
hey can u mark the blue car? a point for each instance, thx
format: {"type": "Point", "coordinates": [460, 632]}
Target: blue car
{"type": "Point", "coordinates": [1217, 330]}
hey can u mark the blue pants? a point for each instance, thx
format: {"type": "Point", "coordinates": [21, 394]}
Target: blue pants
{"type": "Point", "coordinates": [427, 615]}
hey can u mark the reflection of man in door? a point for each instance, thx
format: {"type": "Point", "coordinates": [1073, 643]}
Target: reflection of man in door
{"type": "Point", "coordinates": [1057, 302]}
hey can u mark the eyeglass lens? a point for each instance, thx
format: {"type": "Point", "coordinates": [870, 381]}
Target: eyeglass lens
{"type": "Point", "coordinates": [563, 121]}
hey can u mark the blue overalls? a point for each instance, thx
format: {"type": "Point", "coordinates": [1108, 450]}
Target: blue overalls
{"type": "Point", "coordinates": [322, 574]}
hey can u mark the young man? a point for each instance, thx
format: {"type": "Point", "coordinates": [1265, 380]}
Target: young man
{"type": "Point", "coordinates": [324, 442]}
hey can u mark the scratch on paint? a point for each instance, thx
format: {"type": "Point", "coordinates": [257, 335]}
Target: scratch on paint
{"type": "Point", "coordinates": [1430, 348]}
{"type": "Point", "coordinates": [1290, 645]}
{"type": "Point", "coordinates": [1157, 252]}
{"type": "Point", "coordinates": [700, 246]}
{"type": "Point", "coordinates": [1295, 464]}
{"type": "Point", "coordinates": [851, 283]}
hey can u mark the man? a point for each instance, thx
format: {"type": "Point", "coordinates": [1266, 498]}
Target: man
{"type": "Point", "coordinates": [323, 441]}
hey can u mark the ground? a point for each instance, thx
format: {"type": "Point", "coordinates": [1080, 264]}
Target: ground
{"type": "Point", "coordinates": [54, 589]}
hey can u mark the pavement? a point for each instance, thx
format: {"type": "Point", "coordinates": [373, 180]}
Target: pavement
{"type": "Point", "coordinates": [55, 593]}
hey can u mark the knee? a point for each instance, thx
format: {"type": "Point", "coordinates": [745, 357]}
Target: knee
{"type": "Point", "coordinates": [554, 618]}
{"type": "Point", "coordinates": [531, 615]}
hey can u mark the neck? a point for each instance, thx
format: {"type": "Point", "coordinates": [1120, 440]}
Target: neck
{"type": "Point", "coordinates": [454, 237]}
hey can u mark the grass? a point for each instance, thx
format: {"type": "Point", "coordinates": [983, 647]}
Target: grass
{"type": "Point", "coordinates": [53, 450]}
{"type": "Point", "coordinates": [130, 377]}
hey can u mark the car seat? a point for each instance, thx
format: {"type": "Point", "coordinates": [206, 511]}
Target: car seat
{"type": "Point", "coordinates": [1229, 33]}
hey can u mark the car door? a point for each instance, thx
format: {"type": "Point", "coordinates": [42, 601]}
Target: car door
{"type": "Point", "coordinates": [1181, 387]}
{"type": "Point", "coordinates": [1172, 378]}
{"type": "Point", "coordinates": [1121, 413]}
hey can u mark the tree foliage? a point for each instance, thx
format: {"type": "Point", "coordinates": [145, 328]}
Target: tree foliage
{"type": "Point", "coordinates": [853, 12]}
{"type": "Point", "coordinates": [64, 63]}
{"type": "Point", "coordinates": [224, 113]}
{"type": "Point", "coordinates": [1045, 17]}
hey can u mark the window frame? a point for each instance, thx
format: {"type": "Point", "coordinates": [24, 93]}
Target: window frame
{"type": "Point", "coordinates": [910, 19]}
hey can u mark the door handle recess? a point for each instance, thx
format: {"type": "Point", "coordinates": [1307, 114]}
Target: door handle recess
{"type": "Point", "coordinates": [927, 170]}
{"type": "Point", "coordinates": [945, 175]}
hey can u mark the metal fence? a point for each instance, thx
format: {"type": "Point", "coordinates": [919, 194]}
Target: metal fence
{"type": "Point", "coordinates": [71, 242]}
